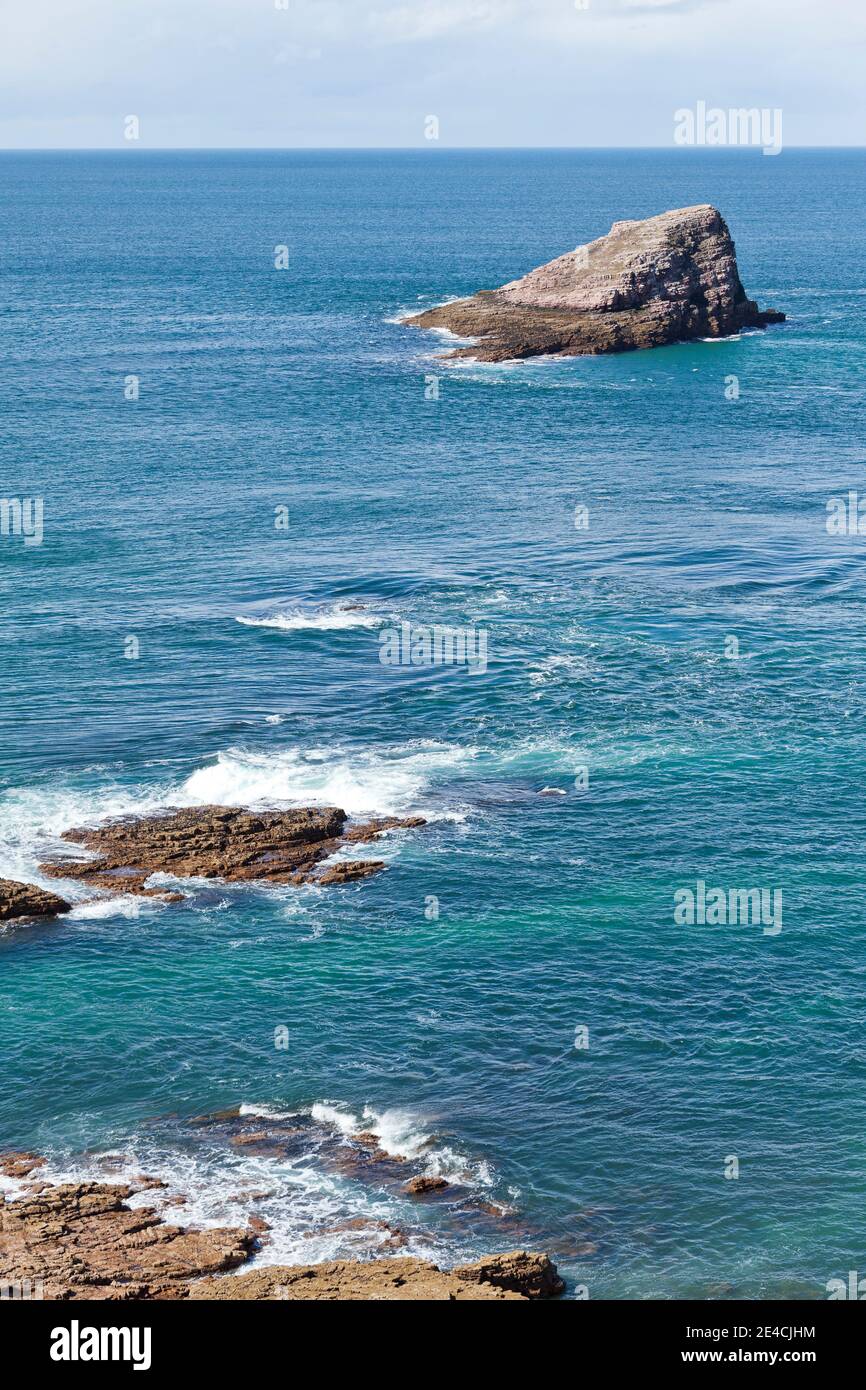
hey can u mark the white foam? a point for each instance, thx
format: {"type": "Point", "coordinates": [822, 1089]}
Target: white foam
{"type": "Point", "coordinates": [560, 666]}
{"type": "Point", "coordinates": [487, 370]}
{"type": "Point", "coordinates": [342, 1120]}
{"type": "Point", "coordinates": [314, 1213]}
{"type": "Point", "coordinates": [380, 781]}
{"type": "Point", "coordinates": [267, 1112]}
{"type": "Point", "coordinates": [420, 307]}
{"type": "Point", "coordinates": [449, 336]}
{"type": "Point", "coordinates": [307, 1208]}
{"type": "Point", "coordinates": [398, 1132]}
{"type": "Point", "coordinates": [127, 905]}
{"type": "Point", "coordinates": [32, 821]}
{"type": "Point", "coordinates": [403, 1134]}
{"type": "Point", "coordinates": [333, 618]}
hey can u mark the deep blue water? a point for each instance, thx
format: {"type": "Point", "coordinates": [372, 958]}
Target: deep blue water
{"type": "Point", "coordinates": [262, 389]}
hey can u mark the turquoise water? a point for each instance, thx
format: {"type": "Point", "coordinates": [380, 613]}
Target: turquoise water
{"type": "Point", "coordinates": [262, 389]}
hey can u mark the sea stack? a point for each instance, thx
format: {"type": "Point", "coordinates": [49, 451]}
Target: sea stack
{"type": "Point", "coordinates": [665, 279]}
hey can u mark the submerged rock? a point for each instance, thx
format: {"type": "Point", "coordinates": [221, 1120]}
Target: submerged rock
{"type": "Point", "coordinates": [370, 830]}
{"type": "Point", "coordinates": [420, 1186]}
{"type": "Point", "coordinates": [665, 279]}
{"type": "Point", "coordinates": [20, 901]}
{"type": "Point", "coordinates": [349, 869]}
{"type": "Point", "coordinates": [20, 1165]}
{"type": "Point", "coordinates": [220, 842]}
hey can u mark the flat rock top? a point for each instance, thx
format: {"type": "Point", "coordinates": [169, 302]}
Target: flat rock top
{"type": "Point", "coordinates": [352, 1281]}
{"type": "Point", "coordinates": [210, 829]}
{"type": "Point", "coordinates": [83, 1241]}
{"type": "Point", "coordinates": [221, 842]}
{"type": "Point", "coordinates": [519, 1275]}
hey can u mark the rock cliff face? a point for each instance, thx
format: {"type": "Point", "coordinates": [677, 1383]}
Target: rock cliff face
{"type": "Point", "coordinates": [662, 280]}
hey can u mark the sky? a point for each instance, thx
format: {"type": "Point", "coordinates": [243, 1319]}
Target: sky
{"type": "Point", "coordinates": [370, 73]}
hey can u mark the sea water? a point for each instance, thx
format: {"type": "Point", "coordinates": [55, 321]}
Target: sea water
{"type": "Point", "coordinates": [247, 475]}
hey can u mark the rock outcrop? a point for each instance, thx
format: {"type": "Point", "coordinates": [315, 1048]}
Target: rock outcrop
{"type": "Point", "coordinates": [360, 1158]}
{"type": "Point", "coordinates": [24, 901]}
{"type": "Point", "coordinates": [517, 1276]}
{"type": "Point", "coordinates": [20, 1165]}
{"type": "Point", "coordinates": [531, 1276]}
{"type": "Point", "coordinates": [83, 1241]}
{"type": "Point", "coordinates": [221, 842]}
{"type": "Point", "coordinates": [666, 279]}
{"type": "Point", "coordinates": [423, 1184]}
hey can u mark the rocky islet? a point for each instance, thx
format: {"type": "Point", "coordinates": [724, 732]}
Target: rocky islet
{"type": "Point", "coordinates": [647, 283]}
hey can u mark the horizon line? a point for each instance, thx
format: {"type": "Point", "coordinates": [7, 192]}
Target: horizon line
{"type": "Point", "coordinates": [401, 149]}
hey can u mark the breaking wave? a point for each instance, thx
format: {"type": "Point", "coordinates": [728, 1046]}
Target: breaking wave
{"type": "Point", "coordinates": [380, 781]}
{"type": "Point", "coordinates": [316, 1206]}
{"type": "Point", "coordinates": [334, 618]}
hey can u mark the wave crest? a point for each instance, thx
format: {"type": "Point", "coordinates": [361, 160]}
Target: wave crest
{"type": "Point", "coordinates": [334, 618]}
{"type": "Point", "coordinates": [381, 781]}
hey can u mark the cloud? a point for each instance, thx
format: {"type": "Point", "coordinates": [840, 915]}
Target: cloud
{"type": "Point", "coordinates": [217, 73]}
{"type": "Point", "coordinates": [419, 22]}
{"type": "Point", "coordinates": [666, 6]}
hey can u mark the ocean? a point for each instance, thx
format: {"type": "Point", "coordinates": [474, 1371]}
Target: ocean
{"type": "Point", "coordinates": [249, 474]}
